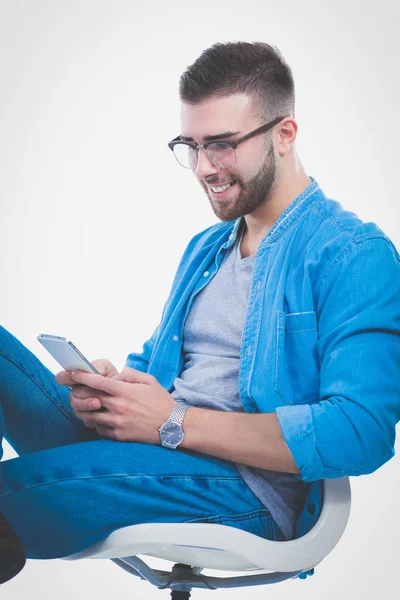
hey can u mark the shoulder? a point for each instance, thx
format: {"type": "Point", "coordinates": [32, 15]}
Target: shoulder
{"type": "Point", "coordinates": [340, 225]}
{"type": "Point", "coordinates": [333, 235]}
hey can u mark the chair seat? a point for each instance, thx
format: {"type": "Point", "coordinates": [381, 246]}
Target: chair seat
{"type": "Point", "coordinates": [212, 546]}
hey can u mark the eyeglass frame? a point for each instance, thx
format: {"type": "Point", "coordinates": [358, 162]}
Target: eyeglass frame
{"type": "Point", "coordinates": [263, 129]}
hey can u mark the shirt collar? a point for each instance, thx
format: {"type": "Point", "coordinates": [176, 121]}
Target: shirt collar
{"type": "Point", "coordinates": [292, 213]}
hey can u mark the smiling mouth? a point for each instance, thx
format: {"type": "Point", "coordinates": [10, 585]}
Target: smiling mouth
{"type": "Point", "coordinates": [221, 188]}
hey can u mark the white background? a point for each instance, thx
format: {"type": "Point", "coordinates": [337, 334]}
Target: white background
{"type": "Point", "coordinates": [95, 212]}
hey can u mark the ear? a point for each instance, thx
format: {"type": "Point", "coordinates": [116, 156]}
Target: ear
{"type": "Point", "coordinates": [286, 133]}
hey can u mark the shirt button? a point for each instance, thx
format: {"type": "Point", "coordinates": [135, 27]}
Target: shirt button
{"type": "Point", "coordinates": [175, 338]}
{"type": "Point", "coordinates": [206, 274]}
{"type": "Point", "coordinates": [231, 236]}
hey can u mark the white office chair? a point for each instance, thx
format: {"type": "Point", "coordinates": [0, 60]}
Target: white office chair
{"type": "Point", "coordinates": [197, 546]}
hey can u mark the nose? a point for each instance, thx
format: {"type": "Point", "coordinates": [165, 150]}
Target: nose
{"type": "Point", "coordinates": [205, 166]}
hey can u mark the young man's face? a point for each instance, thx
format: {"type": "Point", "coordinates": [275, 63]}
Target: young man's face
{"type": "Point", "coordinates": [253, 175]}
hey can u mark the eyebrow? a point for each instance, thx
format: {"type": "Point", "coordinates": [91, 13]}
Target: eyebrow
{"type": "Point", "coordinates": [211, 138]}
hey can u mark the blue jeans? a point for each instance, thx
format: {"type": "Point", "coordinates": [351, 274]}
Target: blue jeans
{"type": "Point", "coordinates": [70, 487]}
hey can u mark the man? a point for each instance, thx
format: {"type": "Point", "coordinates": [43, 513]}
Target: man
{"type": "Point", "coordinates": [275, 362]}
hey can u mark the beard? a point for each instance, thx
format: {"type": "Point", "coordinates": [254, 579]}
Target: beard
{"type": "Point", "coordinates": [252, 194]}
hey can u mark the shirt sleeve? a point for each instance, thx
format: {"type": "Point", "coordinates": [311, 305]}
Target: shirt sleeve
{"type": "Point", "coordinates": [140, 360]}
{"type": "Point", "coordinates": [350, 429]}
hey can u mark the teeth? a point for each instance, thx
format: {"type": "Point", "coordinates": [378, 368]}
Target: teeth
{"type": "Point", "coordinates": [222, 188]}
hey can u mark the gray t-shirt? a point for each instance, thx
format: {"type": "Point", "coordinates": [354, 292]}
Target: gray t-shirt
{"type": "Point", "coordinates": [211, 345]}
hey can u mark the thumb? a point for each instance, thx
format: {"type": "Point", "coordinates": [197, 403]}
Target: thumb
{"type": "Point", "coordinates": [134, 376]}
{"type": "Point", "coordinates": [104, 367]}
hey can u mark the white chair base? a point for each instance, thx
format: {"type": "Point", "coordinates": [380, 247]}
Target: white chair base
{"type": "Point", "coordinates": [206, 545]}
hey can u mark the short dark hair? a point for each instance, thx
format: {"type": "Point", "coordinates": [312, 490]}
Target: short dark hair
{"type": "Point", "coordinates": [241, 67]}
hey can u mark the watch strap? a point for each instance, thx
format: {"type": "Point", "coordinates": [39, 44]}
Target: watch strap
{"type": "Point", "coordinates": [178, 412]}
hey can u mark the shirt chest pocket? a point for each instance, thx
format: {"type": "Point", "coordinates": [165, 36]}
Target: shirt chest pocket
{"type": "Point", "coordinates": [296, 360]}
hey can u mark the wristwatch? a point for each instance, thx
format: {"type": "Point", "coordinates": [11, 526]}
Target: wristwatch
{"type": "Point", "coordinates": [171, 432]}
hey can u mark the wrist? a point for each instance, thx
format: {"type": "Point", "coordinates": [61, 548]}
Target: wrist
{"type": "Point", "coordinates": [171, 432]}
{"type": "Point", "coordinates": [200, 426]}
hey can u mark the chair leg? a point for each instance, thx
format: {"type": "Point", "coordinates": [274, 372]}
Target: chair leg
{"type": "Point", "coordinates": [175, 595]}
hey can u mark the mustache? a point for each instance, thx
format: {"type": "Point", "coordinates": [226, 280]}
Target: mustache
{"type": "Point", "coordinates": [216, 182]}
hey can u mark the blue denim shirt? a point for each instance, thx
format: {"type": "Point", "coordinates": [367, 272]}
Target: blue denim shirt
{"type": "Point", "coordinates": [321, 337]}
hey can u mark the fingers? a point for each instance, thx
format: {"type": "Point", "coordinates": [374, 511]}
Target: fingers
{"type": "Point", "coordinates": [85, 404]}
{"type": "Point", "coordinates": [83, 398]}
{"type": "Point", "coordinates": [64, 378]}
{"type": "Point", "coordinates": [87, 425]}
{"type": "Point", "coordinates": [134, 376]}
{"type": "Point", "coordinates": [116, 384]}
{"type": "Point", "coordinates": [98, 382]}
{"type": "Point", "coordinates": [83, 392]}
{"type": "Point", "coordinates": [104, 367]}
{"type": "Point", "coordinates": [94, 419]}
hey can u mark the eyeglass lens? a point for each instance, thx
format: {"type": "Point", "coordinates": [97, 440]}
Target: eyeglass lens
{"type": "Point", "coordinates": [221, 154]}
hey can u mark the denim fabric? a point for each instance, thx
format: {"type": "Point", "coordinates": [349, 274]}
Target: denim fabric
{"type": "Point", "coordinates": [71, 487]}
{"type": "Point", "coordinates": [321, 338]}
{"type": "Point", "coordinates": [258, 522]}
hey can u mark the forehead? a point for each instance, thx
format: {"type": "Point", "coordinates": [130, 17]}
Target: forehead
{"type": "Point", "coordinates": [217, 115]}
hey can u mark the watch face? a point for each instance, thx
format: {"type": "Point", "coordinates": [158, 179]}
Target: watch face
{"type": "Point", "coordinates": [171, 434]}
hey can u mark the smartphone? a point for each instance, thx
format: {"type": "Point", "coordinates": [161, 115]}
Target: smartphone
{"type": "Point", "coordinates": [66, 353]}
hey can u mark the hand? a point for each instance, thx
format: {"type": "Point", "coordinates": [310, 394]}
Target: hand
{"type": "Point", "coordinates": [135, 404]}
{"type": "Point", "coordinates": [105, 367]}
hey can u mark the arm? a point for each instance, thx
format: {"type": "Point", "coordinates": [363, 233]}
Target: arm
{"type": "Point", "coordinates": [251, 439]}
{"type": "Point", "coordinates": [351, 429]}
{"type": "Point", "coordinates": [137, 405]}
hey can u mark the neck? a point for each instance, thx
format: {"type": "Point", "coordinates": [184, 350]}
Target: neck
{"type": "Point", "coordinates": [289, 184]}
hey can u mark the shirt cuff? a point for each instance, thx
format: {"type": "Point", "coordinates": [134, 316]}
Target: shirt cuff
{"type": "Point", "coordinates": [297, 427]}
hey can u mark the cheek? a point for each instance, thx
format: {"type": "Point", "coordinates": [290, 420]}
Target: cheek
{"type": "Point", "coordinates": [249, 161]}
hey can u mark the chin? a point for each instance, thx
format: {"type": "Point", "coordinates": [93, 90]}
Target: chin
{"type": "Point", "coordinates": [225, 216]}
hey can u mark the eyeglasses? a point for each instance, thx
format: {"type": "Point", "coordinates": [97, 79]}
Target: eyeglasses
{"type": "Point", "coordinates": [222, 154]}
